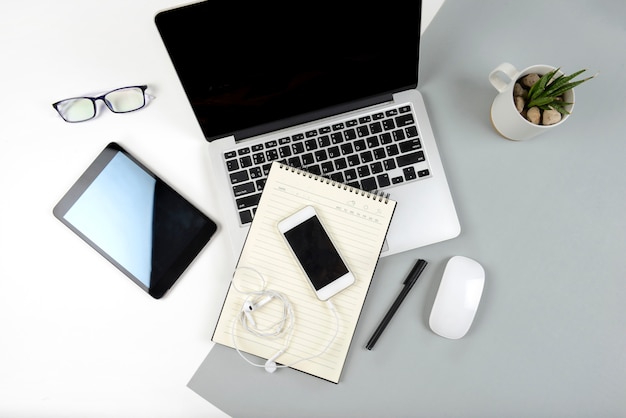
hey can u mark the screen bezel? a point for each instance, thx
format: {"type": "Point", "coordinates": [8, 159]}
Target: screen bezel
{"type": "Point", "coordinates": [160, 284]}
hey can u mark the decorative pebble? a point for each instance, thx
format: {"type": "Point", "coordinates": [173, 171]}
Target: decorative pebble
{"type": "Point", "coordinates": [550, 117]}
{"type": "Point", "coordinates": [533, 115]}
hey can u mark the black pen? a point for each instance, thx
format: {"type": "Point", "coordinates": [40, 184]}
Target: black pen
{"type": "Point", "coordinates": [408, 284]}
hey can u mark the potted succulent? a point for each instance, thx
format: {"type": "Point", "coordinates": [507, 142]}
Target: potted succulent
{"type": "Point", "coordinates": [541, 98]}
{"type": "Point", "coordinates": [531, 101]}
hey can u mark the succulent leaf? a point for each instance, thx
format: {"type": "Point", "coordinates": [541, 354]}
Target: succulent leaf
{"type": "Point", "coordinates": [544, 92]}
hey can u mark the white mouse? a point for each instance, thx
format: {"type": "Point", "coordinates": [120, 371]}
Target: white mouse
{"type": "Point", "coordinates": [458, 297]}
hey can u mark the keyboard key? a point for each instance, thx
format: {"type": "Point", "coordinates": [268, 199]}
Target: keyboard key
{"type": "Point", "coordinates": [350, 175]}
{"type": "Point", "coordinates": [404, 120]}
{"type": "Point", "coordinates": [242, 189]}
{"type": "Point", "coordinates": [239, 177]}
{"type": "Point", "coordinates": [258, 158]}
{"type": "Point", "coordinates": [256, 172]}
{"type": "Point", "coordinates": [369, 184]}
{"type": "Point", "coordinates": [245, 161]}
{"type": "Point", "coordinates": [260, 184]}
{"type": "Point", "coordinates": [372, 142]}
{"type": "Point", "coordinates": [338, 176]}
{"type": "Point", "coordinates": [271, 144]}
{"type": "Point", "coordinates": [392, 150]}
{"type": "Point", "coordinates": [324, 130]}
{"type": "Point", "coordinates": [346, 148]}
{"type": "Point", "coordinates": [376, 168]}
{"type": "Point", "coordinates": [353, 160]}
{"type": "Point", "coordinates": [314, 169]}
{"type": "Point", "coordinates": [338, 126]}
{"type": "Point", "coordinates": [359, 145]}
{"type": "Point", "coordinates": [248, 201]}
{"type": "Point", "coordinates": [389, 164]}
{"type": "Point", "coordinates": [423, 173]}
{"type": "Point", "coordinates": [410, 145]}
{"type": "Point", "coordinates": [336, 137]}
{"type": "Point", "coordinates": [284, 152]}
{"type": "Point", "coordinates": [352, 122]}
{"type": "Point", "coordinates": [308, 159]}
{"type": "Point", "coordinates": [272, 155]}
{"type": "Point", "coordinates": [379, 153]}
{"type": "Point", "coordinates": [409, 173]}
{"type": "Point", "coordinates": [243, 151]}
{"type": "Point", "coordinates": [245, 216]}
{"type": "Point", "coordinates": [391, 112]}
{"type": "Point", "coordinates": [388, 124]}
{"type": "Point", "coordinates": [383, 180]}
{"type": "Point", "coordinates": [412, 158]}
{"type": "Point", "coordinates": [310, 134]}
{"type": "Point", "coordinates": [327, 168]}
{"type": "Point", "coordinates": [310, 144]}
{"type": "Point", "coordinates": [363, 171]}
{"type": "Point", "coordinates": [365, 119]}
{"type": "Point", "coordinates": [320, 155]}
{"type": "Point", "coordinates": [362, 131]}
{"type": "Point", "coordinates": [232, 165]}
{"type": "Point", "coordinates": [349, 134]}
{"type": "Point", "coordinates": [398, 135]}
{"type": "Point", "coordinates": [295, 162]}
{"type": "Point", "coordinates": [298, 148]}
{"type": "Point", "coordinates": [341, 163]}
{"type": "Point", "coordinates": [366, 157]}
{"type": "Point", "coordinates": [230, 154]}
{"type": "Point", "coordinates": [333, 152]}
{"type": "Point", "coordinates": [411, 131]}
{"type": "Point", "coordinates": [257, 147]}
{"type": "Point", "coordinates": [378, 116]}
{"type": "Point", "coordinates": [376, 128]}
{"type": "Point", "coordinates": [385, 138]}
{"type": "Point", "coordinates": [323, 141]}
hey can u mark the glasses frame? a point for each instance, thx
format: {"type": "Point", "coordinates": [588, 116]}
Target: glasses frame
{"type": "Point", "coordinates": [93, 100]}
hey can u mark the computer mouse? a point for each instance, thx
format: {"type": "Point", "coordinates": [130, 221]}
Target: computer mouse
{"type": "Point", "coordinates": [457, 299]}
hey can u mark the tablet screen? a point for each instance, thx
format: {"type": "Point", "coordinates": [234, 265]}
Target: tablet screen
{"type": "Point", "coordinates": [135, 220]}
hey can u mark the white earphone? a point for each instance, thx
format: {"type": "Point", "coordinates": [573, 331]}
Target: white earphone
{"type": "Point", "coordinates": [283, 326]}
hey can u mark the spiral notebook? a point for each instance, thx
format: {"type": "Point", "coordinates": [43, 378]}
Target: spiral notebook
{"type": "Point", "coordinates": [357, 222]}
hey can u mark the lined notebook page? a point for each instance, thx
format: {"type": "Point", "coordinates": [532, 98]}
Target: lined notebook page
{"type": "Point", "coordinates": [357, 223]}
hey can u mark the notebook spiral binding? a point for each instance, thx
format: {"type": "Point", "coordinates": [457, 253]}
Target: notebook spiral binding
{"type": "Point", "coordinates": [379, 195]}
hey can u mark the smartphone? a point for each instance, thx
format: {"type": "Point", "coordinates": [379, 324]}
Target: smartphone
{"type": "Point", "coordinates": [315, 252]}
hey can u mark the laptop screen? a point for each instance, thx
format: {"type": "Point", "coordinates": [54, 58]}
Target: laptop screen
{"type": "Point", "coordinates": [252, 67]}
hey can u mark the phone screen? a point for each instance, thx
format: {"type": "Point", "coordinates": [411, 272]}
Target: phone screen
{"type": "Point", "coordinates": [316, 252]}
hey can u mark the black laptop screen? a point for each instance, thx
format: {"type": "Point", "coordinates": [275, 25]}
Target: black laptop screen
{"type": "Point", "coordinates": [253, 67]}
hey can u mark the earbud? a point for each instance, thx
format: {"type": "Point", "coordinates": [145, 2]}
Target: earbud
{"type": "Point", "coordinates": [249, 306]}
{"type": "Point", "coordinates": [270, 364]}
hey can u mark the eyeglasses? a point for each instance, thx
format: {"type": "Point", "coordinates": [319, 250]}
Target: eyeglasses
{"type": "Point", "coordinates": [122, 100]}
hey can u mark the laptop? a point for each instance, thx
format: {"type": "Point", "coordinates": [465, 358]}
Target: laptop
{"type": "Point", "coordinates": [332, 90]}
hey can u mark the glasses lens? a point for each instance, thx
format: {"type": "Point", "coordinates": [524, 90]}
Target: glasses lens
{"type": "Point", "coordinates": [76, 110]}
{"type": "Point", "coordinates": [125, 100]}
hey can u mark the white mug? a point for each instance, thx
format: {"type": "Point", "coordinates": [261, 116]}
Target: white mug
{"type": "Point", "coordinates": [504, 115]}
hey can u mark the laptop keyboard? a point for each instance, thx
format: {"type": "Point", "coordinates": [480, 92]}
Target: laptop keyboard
{"type": "Point", "coordinates": [369, 152]}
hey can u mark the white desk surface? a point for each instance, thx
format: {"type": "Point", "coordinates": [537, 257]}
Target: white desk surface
{"type": "Point", "coordinates": [77, 338]}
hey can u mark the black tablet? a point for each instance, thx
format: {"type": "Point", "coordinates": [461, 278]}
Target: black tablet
{"type": "Point", "coordinates": [135, 220]}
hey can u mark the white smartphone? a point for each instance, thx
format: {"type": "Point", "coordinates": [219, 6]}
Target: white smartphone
{"type": "Point", "coordinates": [314, 250]}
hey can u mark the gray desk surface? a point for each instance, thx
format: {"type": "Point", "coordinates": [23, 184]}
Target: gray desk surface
{"type": "Point", "coordinates": [545, 217]}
